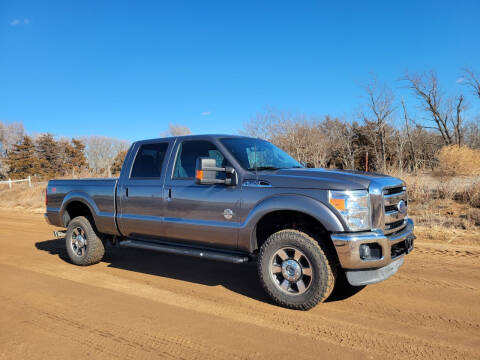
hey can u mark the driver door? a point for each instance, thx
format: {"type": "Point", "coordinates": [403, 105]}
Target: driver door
{"type": "Point", "coordinates": [207, 215]}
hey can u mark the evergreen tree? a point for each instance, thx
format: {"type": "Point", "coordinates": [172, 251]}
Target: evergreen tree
{"type": "Point", "coordinates": [118, 161]}
{"type": "Point", "coordinates": [77, 154]}
{"type": "Point", "coordinates": [22, 160]}
{"type": "Point", "coordinates": [49, 155]}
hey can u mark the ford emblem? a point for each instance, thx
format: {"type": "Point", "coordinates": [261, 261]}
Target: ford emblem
{"type": "Point", "coordinates": [402, 207]}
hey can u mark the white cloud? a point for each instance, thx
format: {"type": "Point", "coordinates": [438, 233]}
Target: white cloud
{"type": "Point", "coordinates": [460, 80]}
{"type": "Point", "coordinates": [206, 113]}
{"type": "Point", "coordinates": [16, 22]}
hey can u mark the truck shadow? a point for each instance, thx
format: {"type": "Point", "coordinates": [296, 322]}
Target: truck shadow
{"type": "Point", "coordinates": [239, 278]}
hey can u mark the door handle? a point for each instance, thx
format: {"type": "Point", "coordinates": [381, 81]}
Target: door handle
{"type": "Point", "coordinates": [126, 191]}
{"type": "Point", "coordinates": [169, 194]}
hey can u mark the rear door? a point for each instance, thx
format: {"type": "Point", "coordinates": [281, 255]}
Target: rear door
{"type": "Point", "coordinates": [200, 214]}
{"type": "Point", "coordinates": [140, 193]}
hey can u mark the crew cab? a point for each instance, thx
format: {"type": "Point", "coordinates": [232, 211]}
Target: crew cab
{"type": "Point", "coordinates": [238, 199]}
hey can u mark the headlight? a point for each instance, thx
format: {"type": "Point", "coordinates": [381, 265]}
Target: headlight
{"type": "Point", "coordinates": [354, 206]}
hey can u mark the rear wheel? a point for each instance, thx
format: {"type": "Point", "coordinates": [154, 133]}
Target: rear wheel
{"type": "Point", "coordinates": [84, 247]}
{"type": "Point", "coordinates": [295, 270]}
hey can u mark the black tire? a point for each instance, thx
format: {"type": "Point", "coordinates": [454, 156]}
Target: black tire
{"type": "Point", "coordinates": [319, 262]}
{"type": "Point", "coordinates": [93, 250]}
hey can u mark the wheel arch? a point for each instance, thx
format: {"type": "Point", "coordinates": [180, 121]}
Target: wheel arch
{"type": "Point", "coordinates": [77, 204]}
{"type": "Point", "coordinates": [306, 212]}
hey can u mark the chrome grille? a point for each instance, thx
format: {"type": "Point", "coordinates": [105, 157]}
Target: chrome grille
{"type": "Point", "coordinates": [394, 218]}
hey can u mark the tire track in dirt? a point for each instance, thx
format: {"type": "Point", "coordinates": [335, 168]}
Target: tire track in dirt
{"type": "Point", "coordinates": [469, 255]}
{"type": "Point", "coordinates": [454, 285]}
{"type": "Point", "coordinates": [376, 322]}
{"type": "Point", "coordinates": [123, 342]}
{"type": "Point", "coordinates": [346, 334]}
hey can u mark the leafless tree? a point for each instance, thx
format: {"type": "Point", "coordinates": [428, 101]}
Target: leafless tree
{"type": "Point", "coordinates": [472, 80]}
{"type": "Point", "coordinates": [303, 138]}
{"type": "Point", "coordinates": [381, 107]}
{"type": "Point", "coordinates": [101, 152]}
{"type": "Point", "coordinates": [342, 141]}
{"type": "Point", "coordinates": [414, 162]}
{"type": "Point", "coordinates": [446, 114]}
{"type": "Point", "coordinates": [472, 133]}
{"type": "Point", "coordinates": [10, 134]}
{"type": "Point", "coordinates": [176, 130]}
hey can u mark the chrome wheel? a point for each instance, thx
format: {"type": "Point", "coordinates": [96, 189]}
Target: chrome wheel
{"type": "Point", "coordinates": [79, 241]}
{"type": "Point", "coordinates": [291, 270]}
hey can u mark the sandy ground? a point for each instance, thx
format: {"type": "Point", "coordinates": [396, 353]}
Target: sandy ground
{"type": "Point", "coordinates": [140, 305]}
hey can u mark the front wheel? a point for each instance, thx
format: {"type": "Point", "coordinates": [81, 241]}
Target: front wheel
{"type": "Point", "coordinates": [295, 271]}
{"type": "Point", "coordinates": [84, 247]}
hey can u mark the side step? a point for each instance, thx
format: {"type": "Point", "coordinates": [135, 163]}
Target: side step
{"type": "Point", "coordinates": [183, 250]}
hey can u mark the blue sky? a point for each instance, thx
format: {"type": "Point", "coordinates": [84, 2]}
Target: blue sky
{"type": "Point", "coordinates": [127, 69]}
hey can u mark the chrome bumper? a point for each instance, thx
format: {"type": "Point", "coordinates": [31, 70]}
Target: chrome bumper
{"type": "Point", "coordinates": [372, 276]}
{"type": "Point", "coordinates": [348, 250]}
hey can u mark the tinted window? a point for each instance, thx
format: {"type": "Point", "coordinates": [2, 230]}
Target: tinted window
{"type": "Point", "coordinates": [149, 160]}
{"type": "Point", "coordinates": [260, 154]}
{"type": "Point", "coordinates": [188, 153]}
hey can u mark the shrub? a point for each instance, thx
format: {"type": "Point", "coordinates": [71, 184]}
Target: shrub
{"type": "Point", "coordinates": [470, 195]}
{"type": "Point", "coordinates": [459, 160]}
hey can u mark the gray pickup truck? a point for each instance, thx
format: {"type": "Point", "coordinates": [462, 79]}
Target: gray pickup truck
{"type": "Point", "coordinates": [235, 199]}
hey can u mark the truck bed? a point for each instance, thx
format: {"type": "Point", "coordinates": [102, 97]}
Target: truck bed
{"type": "Point", "coordinates": [100, 194]}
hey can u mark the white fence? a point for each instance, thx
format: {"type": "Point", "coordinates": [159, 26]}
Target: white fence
{"type": "Point", "coordinates": [10, 182]}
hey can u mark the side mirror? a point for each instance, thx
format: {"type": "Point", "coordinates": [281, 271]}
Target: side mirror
{"type": "Point", "coordinates": [206, 172]}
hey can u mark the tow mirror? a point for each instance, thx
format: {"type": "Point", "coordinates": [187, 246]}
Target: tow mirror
{"type": "Point", "coordinates": [206, 172]}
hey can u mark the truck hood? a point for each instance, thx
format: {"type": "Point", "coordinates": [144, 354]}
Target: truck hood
{"type": "Point", "coordinates": [303, 178]}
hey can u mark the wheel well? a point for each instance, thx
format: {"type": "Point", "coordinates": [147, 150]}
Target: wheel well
{"type": "Point", "coordinates": [74, 209]}
{"type": "Point", "coordinates": [289, 219]}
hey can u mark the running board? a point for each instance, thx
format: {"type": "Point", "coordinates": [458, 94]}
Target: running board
{"type": "Point", "coordinates": [183, 250]}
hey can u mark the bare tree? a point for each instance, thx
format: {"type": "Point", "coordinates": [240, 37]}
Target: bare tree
{"type": "Point", "coordinates": [447, 115]}
{"type": "Point", "coordinates": [381, 107]}
{"type": "Point", "coordinates": [10, 134]}
{"type": "Point", "coordinates": [472, 80]}
{"type": "Point", "coordinates": [414, 162]}
{"type": "Point", "coordinates": [303, 138]}
{"type": "Point", "coordinates": [176, 130]}
{"type": "Point", "coordinates": [343, 142]}
{"type": "Point", "coordinates": [101, 152]}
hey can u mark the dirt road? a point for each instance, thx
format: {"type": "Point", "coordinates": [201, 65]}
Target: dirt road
{"type": "Point", "coordinates": [141, 305]}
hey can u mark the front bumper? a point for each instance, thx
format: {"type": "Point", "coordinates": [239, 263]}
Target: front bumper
{"type": "Point", "coordinates": [362, 272]}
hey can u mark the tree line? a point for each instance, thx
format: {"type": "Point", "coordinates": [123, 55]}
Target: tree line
{"type": "Point", "coordinates": [383, 136]}
{"type": "Point", "coordinates": [45, 157]}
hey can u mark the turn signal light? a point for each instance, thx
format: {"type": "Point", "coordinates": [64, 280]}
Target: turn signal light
{"type": "Point", "coordinates": [338, 204]}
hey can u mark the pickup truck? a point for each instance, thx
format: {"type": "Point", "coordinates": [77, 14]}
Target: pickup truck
{"type": "Point", "coordinates": [238, 199]}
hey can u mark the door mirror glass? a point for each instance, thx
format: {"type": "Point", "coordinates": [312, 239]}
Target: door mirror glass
{"type": "Point", "coordinates": [206, 172]}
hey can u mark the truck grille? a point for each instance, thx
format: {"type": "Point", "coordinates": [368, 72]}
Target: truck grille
{"type": "Point", "coordinates": [395, 209]}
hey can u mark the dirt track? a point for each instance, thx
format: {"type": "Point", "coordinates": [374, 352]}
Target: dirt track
{"type": "Point", "coordinates": [139, 305]}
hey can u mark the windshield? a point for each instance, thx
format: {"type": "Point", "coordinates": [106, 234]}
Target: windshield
{"type": "Point", "coordinates": [259, 154]}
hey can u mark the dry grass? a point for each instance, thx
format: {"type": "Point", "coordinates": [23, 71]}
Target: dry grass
{"type": "Point", "coordinates": [23, 197]}
{"type": "Point", "coordinates": [459, 161]}
{"type": "Point", "coordinates": [444, 208]}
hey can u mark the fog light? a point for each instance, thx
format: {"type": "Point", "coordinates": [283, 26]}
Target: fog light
{"type": "Point", "coordinates": [371, 251]}
{"type": "Point", "coordinates": [365, 252]}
